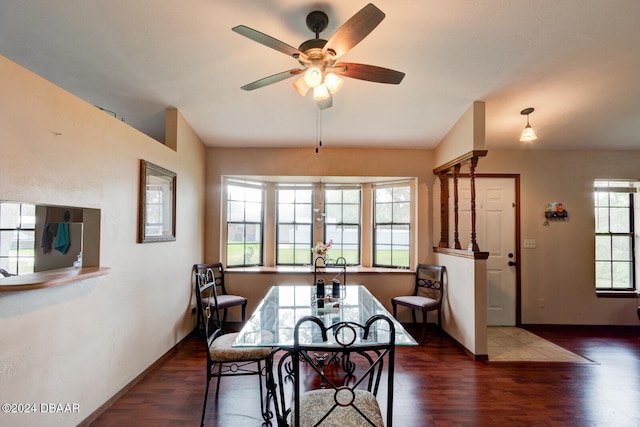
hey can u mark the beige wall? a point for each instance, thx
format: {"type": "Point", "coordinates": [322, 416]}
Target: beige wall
{"type": "Point", "coordinates": [561, 267]}
{"type": "Point", "coordinates": [328, 162]}
{"type": "Point", "coordinates": [466, 135]}
{"type": "Point", "coordinates": [83, 342]}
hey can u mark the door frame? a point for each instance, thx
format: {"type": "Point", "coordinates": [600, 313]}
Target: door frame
{"type": "Point", "coordinates": [516, 178]}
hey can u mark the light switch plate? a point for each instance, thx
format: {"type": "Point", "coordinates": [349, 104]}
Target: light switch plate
{"type": "Point", "coordinates": [529, 244]}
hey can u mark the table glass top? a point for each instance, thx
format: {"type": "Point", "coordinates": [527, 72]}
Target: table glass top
{"type": "Point", "coordinates": [273, 322]}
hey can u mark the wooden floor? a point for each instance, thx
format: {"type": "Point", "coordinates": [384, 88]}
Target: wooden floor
{"type": "Point", "coordinates": [436, 385]}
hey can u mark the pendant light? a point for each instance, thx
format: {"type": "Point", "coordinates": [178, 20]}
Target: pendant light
{"type": "Point", "coordinates": [528, 134]}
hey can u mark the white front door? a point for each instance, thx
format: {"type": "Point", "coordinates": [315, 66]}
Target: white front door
{"type": "Point", "coordinates": [495, 233]}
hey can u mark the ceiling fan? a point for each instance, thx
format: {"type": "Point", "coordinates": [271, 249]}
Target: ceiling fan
{"type": "Point", "coordinates": [320, 70]}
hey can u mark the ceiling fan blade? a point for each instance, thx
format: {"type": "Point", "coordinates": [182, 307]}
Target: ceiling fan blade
{"type": "Point", "coordinates": [354, 30]}
{"type": "Point", "coordinates": [272, 79]}
{"type": "Point", "coordinates": [369, 73]}
{"type": "Point", "coordinates": [266, 40]}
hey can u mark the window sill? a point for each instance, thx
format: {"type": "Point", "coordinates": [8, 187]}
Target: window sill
{"type": "Point", "coordinates": [617, 294]}
{"type": "Point", "coordinates": [302, 269]}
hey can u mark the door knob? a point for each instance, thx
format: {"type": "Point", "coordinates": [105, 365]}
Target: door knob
{"type": "Point", "coordinates": [512, 263]}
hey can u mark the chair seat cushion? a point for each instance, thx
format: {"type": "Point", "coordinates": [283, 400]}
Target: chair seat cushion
{"type": "Point", "coordinates": [316, 403]}
{"type": "Point", "coordinates": [416, 302]}
{"type": "Point", "coordinates": [222, 351]}
{"type": "Point", "coordinates": [225, 301]}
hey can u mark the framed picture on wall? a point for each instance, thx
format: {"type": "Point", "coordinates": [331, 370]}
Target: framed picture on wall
{"type": "Point", "coordinates": [157, 204]}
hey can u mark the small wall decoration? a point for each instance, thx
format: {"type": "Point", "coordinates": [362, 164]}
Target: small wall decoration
{"type": "Point", "coordinates": [157, 204]}
{"type": "Point", "coordinates": [555, 211]}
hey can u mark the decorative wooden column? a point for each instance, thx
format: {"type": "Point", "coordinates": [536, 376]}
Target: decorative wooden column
{"type": "Point", "coordinates": [443, 172]}
{"type": "Point", "coordinates": [472, 174]}
{"type": "Point", "coordinates": [456, 239]}
{"type": "Point", "coordinates": [444, 210]}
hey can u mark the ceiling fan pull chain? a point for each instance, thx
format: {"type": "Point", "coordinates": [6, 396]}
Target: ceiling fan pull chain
{"type": "Point", "coordinates": [318, 129]}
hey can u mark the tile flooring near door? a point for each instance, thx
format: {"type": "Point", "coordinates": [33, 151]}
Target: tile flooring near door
{"type": "Point", "coordinates": [511, 344]}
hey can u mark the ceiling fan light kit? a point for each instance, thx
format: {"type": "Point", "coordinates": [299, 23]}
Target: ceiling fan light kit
{"type": "Point", "coordinates": [318, 57]}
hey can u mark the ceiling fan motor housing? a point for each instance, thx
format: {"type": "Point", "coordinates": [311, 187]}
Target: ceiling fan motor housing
{"type": "Point", "coordinates": [317, 21]}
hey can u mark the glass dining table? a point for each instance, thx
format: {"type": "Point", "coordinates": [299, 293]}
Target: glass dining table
{"type": "Point", "coordinates": [273, 322]}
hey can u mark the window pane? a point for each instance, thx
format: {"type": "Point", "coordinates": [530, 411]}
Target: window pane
{"type": "Point", "coordinates": [400, 235]}
{"type": "Point", "coordinates": [401, 212]}
{"type": "Point", "coordinates": [285, 254]}
{"type": "Point", "coordinates": [334, 213]}
{"type": "Point", "coordinates": [10, 217]}
{"type": "Point", "coordinates": [286, 234]}
{"type": "Point", "coordinates": [304, 196]}
{"type": "Point", "coordinates": [253, 195]}
{"type": "Point", "coordinates": [334, 233]}
{"type": "Point", "coordinates": [383, 254]}
{"type": "Point", "coordinates": [351, 196]}
{"type": "Point", "coordinates": [252, 254]}
{"type": "Point", "coordinates": [351, 214]}
{"type": "Point", "coordinates": [236, 211]}
{"type": "Point", "coordinates": [8, 242]}
{"type": "Point", "coordinates": [333, 196]}
{"type": "Point", "coordinates": [400, 257]}
{"type": "Point", "coordinates": [619, 199]}
{"type": "Point", "coordinates": [285, 213]}
{"type": "Point", "coordinates": [351, 254]}
{"type": "Point", "coordinates": [26, 243]}
{"type": "Point", "coordinates": [235, 193]}
{"type": "Point", "coordinates": [620, 220]}
{"type": "Point", "coordinates": [286, 196]}
{"type": "Point", "coordinates": [253, 212]}
{"type": "Point", "coordinates": [602, 220]}
{"type": "Point", "coordinates": [383, 212]}
{"type": "Point", "coordinates": [302, 254]}
{"type": "Point", "coordinates": [235, 233]}
{"type": "Point", "coordinates": [601, 199]}
{"type": "Point", "coordinates": [401, 194]}
{"type": "Point", "coordinates": [603, 275]}
{"type": "Point", "coordinates": [350, 235]}
{"type": "Point", "coordinates": [622, 275]}
{"type": "Point", "coordinates": [384, 195]}
{"type": "Point", "coordinates": [621, 248]}
{"type": "Point", "coordinates": [303, 236]}
{"type": "Point", "coordinates": [603, 248]}
{"type": "Point", "coordinates": [253, 233]}
{"type": "Point", "coordinates": [383, 235]}
{"type": "Point", "coordinates": [303, 213]}
{"type": "Point", "coordinates": [235, 253]}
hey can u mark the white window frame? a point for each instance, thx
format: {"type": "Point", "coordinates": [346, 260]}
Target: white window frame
{"type": "Point", "coordinates": [366, 227]}
{"type": "Point", "coordinates": [247, 184]}
{"type": "Point", "coordinates": [618, 187]}
{"type": "Point", "coordinates": [410, 224]}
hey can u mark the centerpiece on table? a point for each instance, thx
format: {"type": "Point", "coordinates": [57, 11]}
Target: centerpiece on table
{"type": "Point", "coordinates": [320, 251]}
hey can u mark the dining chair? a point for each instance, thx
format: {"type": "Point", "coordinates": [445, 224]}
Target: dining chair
{"type": "Point", "coordinates": [428, 293]}
{"type": "Point", "coordinates": [215, 272]}
{"type": "Point", "coordinates": [223, 359]}
{"type": "Point", "coordinates": [335, 374]}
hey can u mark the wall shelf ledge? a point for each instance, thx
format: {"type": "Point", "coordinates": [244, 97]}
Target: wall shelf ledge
{"type": "Point", "coordinates": [51, 278]}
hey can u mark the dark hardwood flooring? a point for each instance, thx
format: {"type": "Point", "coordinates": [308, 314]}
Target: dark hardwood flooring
{"type": "Point", "coordinates": [435, 385]}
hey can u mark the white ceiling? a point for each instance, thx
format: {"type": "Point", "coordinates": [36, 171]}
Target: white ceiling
{"type": "Point", "coordinates": [577, 62]}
